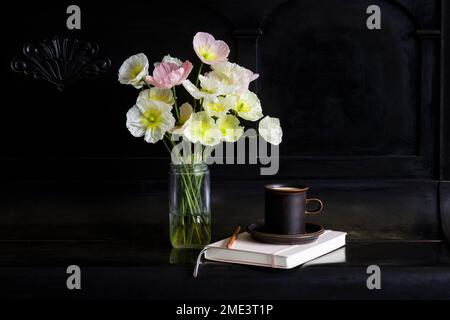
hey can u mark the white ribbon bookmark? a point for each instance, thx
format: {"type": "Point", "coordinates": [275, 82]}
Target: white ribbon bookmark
{"type": "Point", "coordinates": [199, 260]}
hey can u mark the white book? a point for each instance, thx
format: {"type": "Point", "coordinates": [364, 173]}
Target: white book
{"type": "Point", "coordinates": [245, 250]}
{"type": "Point", "coordinates": [334, 257]}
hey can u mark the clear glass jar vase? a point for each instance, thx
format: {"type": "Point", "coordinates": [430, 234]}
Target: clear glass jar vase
{"type": "Point", "coordinates": [189, 210]}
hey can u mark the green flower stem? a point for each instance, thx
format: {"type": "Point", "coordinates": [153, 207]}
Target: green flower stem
{"type": "Point", "coordinates": [183, 179]}
{"type": "Point", "coordinates": [182, 228]}
{"type": "Point", "coordinates": [197, 82]}
{"type": "Point", "coordinates": [191, 196]}
{"type": "Point", "coordinates": [198, 74]}
{"type": "Point", "coordinates": [197, 230]}
{"type": "Point", "coordinates": [174, 92]}
{"type": "Point", "coordinates": [190, 193]}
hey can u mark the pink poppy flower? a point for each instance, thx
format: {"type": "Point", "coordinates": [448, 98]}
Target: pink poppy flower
{"type": "Point", "coordinates": [168, 74]}
{"type": "Point", "coordinates": [210, 50]}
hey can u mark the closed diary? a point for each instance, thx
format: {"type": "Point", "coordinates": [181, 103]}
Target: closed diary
{"type": "Point", "coordinates": [245, 250]}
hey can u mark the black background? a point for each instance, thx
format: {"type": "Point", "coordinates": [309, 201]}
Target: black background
{"type": "Point", "coordinates": [364, 112]}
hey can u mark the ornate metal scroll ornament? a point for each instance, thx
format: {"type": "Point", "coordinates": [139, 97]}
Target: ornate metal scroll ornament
{"type": "Point", "coordinates": [61, 61]}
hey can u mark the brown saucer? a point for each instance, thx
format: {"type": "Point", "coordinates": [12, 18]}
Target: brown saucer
{"type": "Point", "coordinates": [313, 231]}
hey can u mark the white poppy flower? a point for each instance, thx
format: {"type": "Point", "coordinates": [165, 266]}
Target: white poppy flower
{"type": "Point", "coordinates": [270, 130]}
{"type": "Point", "coordinates": [157, 94]}
{"type": "Point", "coordinates": [134, 70]}
{"type": "Point", "coordinates": [210, 88]}
{"type": "Point", "coordinates": [202, 128]}
{"type": "Point", "coordinates": [151, 119]}
{"type": "Point", "coordinates": [229, 127]}
{"type": "Point", "coordinates": [214, 86]}
{"type": "Point", "coordinates": [218, 106]}
{"type": "Point", "coordinates": [248, 106]}
{"type": "Point", "coordinates": [233, 75]}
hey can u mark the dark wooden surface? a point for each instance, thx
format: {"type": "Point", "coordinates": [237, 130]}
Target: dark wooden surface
{"type": "Point", "coordinates": [141, 271]}
{"type": "Point", "coordinates": [120, 241]}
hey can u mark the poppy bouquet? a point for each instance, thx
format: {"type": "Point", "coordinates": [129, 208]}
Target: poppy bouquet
{"type": "Point", "coordinates": [220, 98]}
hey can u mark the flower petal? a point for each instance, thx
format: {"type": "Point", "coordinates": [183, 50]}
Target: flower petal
{"type": "Point", "coordinates": [168, 74]}
{"type": "Point", "coordinates": [220, 50]}
{"type": "Point", "coordinates": [269, 128]}
{"type": "Point", "coordinates": [187, 67]}
{"type": "Point", "coordinates": [248, 106]}
{"type": "Point", "coordinates": [154, 116]}
{"type": "Point", "coordinates": [185, 112]}
{"type": "Point", "coordinates": [134, 124]}
{"type": "Point", "coordinates": [203, 39]}
{"type": "Point", "coordinates": [229, 127]}
{"type": "Point", "coordinates": [157, 94]}
{"type": "Point", "coordinates": [202, 128]}
{"type": "Point", "coordinates": [192, 89]}
{"type": "Point", "coordinates": [171, 59]}
{"type": "Point", "coordinates": [234, 75]}
{"type": "Point", "coordinates": [216, 106]}
{"type": "Point", "coordinates": [154, 135]}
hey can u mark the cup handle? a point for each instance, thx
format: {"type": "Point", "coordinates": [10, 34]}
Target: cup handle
{"type": "Point", "coordinates": [318, 211]}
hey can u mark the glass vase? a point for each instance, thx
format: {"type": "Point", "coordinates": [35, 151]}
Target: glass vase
{"type": "Point", "coordinates": [189, 209]}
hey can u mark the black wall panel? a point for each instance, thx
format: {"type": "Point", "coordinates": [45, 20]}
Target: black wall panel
{"type": "Point", "coordinates": [348, 97]}
{"type": "Point", "coordinates": [370, 106]}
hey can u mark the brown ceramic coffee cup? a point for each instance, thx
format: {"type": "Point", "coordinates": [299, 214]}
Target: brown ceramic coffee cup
{"type": "Point", "coordinates": [285, 208]}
